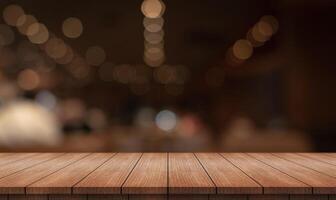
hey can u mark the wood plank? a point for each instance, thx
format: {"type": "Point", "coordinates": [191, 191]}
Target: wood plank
{"type": "Point", "coordinates": [62, 181]}
{"type": "Point", "coordinates": [268, 197]}
{"type": "Point", "coordinates": [150, 176]}
{"type": "Point", "coordinates": [227, 197]}
{"type": "Point", "coordinates": [322, 184]}
{"type": "Point", "coordinates": [320, 157]}
{"type": "Point", "coordinates": [107, 197]}
{"type": "Point", "coordinates": [187, 176]}
{"type": "Point", "coordinates": [308, 197]}
{"type": "Point", "coordinates": [319, 166]}
{"type": "Point", "coordinates": [3, 197]}
{"type": "Point", "coordinates": [25, 163]}
{"type": "Point", "coordinates": [6, 158]}
{"type": "Point", "coordinates": [67, 197]}
{"type": "Point", "coordinates": [148, 197]}
{"type": "Point", "coordinates": [108, 178]}
{"type": "Point", "coordinates": [27, 197]}
{"type": "Point", "coordinates": [189, 197]}
{"type": "Point", "coordinates": [272, 180]}
{"type": "Point", "coordinates": [228, 178]}
{"type": "Point", "coordinates": [11, 185]}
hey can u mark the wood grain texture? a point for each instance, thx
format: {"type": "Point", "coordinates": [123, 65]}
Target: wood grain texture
{"type": "Point", "coordinates": [228, 178]}
{"type": "Point", "coordinates": [189, 197]}
{"type": "Point", "coordinates": [319, 166]}
{"type": "Point", "coordinates": [62, 181]}
{"type": "Point", "coordinates": [268, 197]}
{"type": "Point", "coordinates": [108, 178]}
{"type": "Point", "coordinates": [67, 197]}
{"type": "Point", "coordinates": [25, 163]}
{"type": "Point", "coordinates": [187, 176]}
{"type": "Point", "coordinates": [321, 183]}
{"type": "Point", "coordinates": [272, 180]}
{"type": "Point", "coordinates": [11, 185]}
{"type": "Point", "coordinates": [6, 158]}
{"type": "Point", "coordinates": [320, 157]}
{"type": "Point", "coordinates": [150, 176]}
{"type": "Point", "coordinates": [28, 197]}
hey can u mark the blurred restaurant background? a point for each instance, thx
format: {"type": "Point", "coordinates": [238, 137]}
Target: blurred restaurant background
{"type": "Point", "coordinates": [167, 75]}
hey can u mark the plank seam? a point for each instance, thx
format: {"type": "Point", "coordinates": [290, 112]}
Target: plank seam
{"type": "Point", "coordinates": [54, 172]}
{"type": "Point", "coordinates": [262, 187]}
{"type": "Point", "coordinates": [122, 185]}
{"type": "Point", "coordinates": [206, 172]}
{"type": "Point", "coordinates": [32, 166]}
{"type": "Point", "coordinates": [18, 159]}
{"type": "Point", "coordinates": [248, 154]}
{"type": "Point", "coordinates": [92, 171]}
{"type": "Point", "coordinates": [304, 166]}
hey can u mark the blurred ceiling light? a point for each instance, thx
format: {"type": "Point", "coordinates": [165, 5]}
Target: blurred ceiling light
{"type": "Point", "coordinates": [265, 28]}
{"type": "Point", "coordinates": [67, 58]}
{"type": "Point", "coordinates": [95, 55]}
{"type": "Point", "coordinates": [6, 35]}
{"type": "Point", "coordinates": [152, 8]}
{"type": "Point", "coordinates": [154, 38]}
{"type": "Point", "coordinates": [12, 13]}
{"type": "Point", "coordinates": [40, 33]}
{"type": "Point", "coordinates": [55, 48]}
{"type": "Point", "coordinates": [154, 62]}
{"type": "Point", "coordinates": [153, 24]}
{"type": "Point", "coordinates": [166, 120]}
{"type": "Point", "coordinates": [231, 59]}
{"type": "Point", "coordinates": [105, 71]}
{"type": "Point", "coordinates": [24, 23]}
{"type": "Point", "coordinates": [149, 45]}
{"type": "Point", "coordinates": [272, 21]}
{"type": "Point", "coordinates": [28, 79]}
{"type": "Point", "coordinates": [252, 40]}
{"type": "Point", "coordinates": [72, 27]}
{"type": "Point", "coordinates": [242, 49]}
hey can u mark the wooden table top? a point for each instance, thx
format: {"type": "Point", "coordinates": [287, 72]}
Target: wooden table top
{"type": "Point", "coordinates": [167, 173]}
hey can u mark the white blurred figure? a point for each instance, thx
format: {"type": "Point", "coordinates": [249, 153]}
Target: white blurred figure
{"type": "Point", "coordinates": [27, 124]}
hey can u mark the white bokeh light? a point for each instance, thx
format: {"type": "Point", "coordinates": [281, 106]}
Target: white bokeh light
{"type": "Point", "coordinates": [166, 120]}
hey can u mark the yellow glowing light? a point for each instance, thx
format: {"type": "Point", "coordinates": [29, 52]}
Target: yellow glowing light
{"type": "Point", "coordinates": [272, 21]}
{"type": "Point", "coordinates": [242, 49]}
{"type": "Point", "coordinates": [154, 38]}
{"type": "Point", "coordinates": [153, 24]}
{"type": "Point", "coordinates": [252, 40]}
{"type": "Point", "coordinates": [12, 13]}
{"type": "Point", "coordinates": [6, 35]}
{"type": "Point", "coordinates": [67, 58]}
{"type": "Point", "coordinates": [152, 8]}
{"type": "Point", "coordinates": [24, 23]}
{"type": "Point", "coordinates": [55, 48]}
{"type": "Point", "coordinates": [95, 55]}
{"type": "Point", "coordinates": [265, 28]}
{"type": "Point", "coordinates": [40, 33]}
{"type": "Point", "coordinates": [72, 27]}
{"type": "Point", "coordinates": [28, 79]}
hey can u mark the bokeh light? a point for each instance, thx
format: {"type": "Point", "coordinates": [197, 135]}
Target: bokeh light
{"type": "Point", "coordinates": [55, 48]}
{"type": "Point", "coordinates": [28, 79]}
{"type": "Point", "coordinates": [24, 23]}
{"type": "Point", "coordinates": [38, 33]}
{"type": "Point", "coordinates": [95, 55]}
{"type": "Point", "coordinates": [153, 24]}
{"type": "Point", "coordinates": [166, 120]}
{"type": "Point", "coordinates": [152, 8]}
{"type": "Point", "coordinates": [72, 27]}
{"type": "Point", "coordinates": [242, 49]}
{"type": "Point", "coordinates": [12, 13]}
